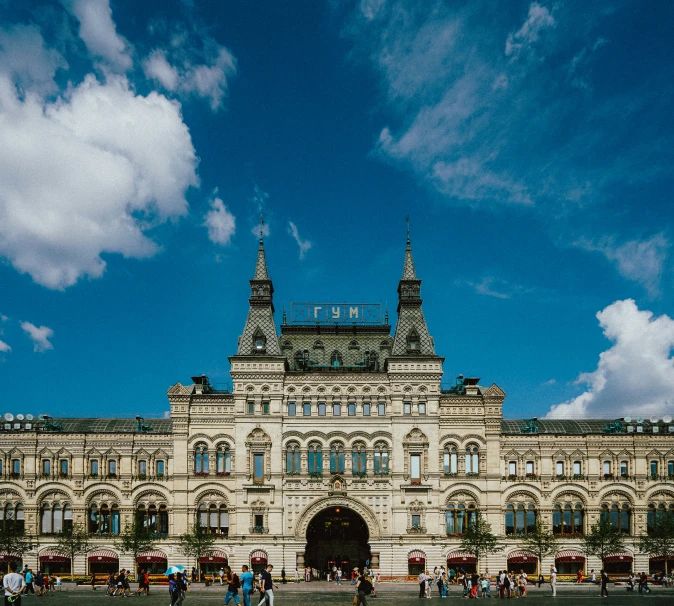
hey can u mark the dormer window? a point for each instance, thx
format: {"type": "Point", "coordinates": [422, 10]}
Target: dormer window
{"type": "Point", "coordinates": [413, 341]}
{"type": "Point", "coordinates": [259, 341]}
{"type": "Point", "coordinates": [336, 359]}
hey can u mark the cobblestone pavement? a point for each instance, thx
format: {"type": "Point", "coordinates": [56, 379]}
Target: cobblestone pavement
{"type": "Point", "coordinates": [329, 594]}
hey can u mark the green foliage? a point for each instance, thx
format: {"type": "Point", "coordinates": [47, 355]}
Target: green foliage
{"type": "Point", "coordinates": [197, 543]}
{"type": "Point", "coordinates": [541, 542]}
{"type": "Point", "coordinates": [12, 541]}
{"type": "Point", "coordinates": [478, 538]}
{"type": "Point", "coordinates": [73, 541]}
{"type": "Point", "coordinates": [603, 540]}
{"type": "Point", "coordinates": [660, 541]}
{"type": "Point", "coordinates": [134, 539]}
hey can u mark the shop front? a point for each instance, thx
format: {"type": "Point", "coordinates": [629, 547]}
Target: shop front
{"type": "Point", "coordinates": [523, 561]}
{"type": "Point", "coordinates": [152, 562]}
{"type": "Point", "coordinates": [103, 562]}
{"type": "Point", "coordinates": [258, 561]}
{"type": "Point", "coordinates": [569, 562]}
{"type": "Point", "coordinates": [618, 563]}
{"type": "Point", "coordinates": [416, 563]}
{"type": "Point", "coordinates": [213, 563]}
{"type": "Point", "coordinates": [461, 560]}
{"type": "Point", "coordinates": [54, 562]}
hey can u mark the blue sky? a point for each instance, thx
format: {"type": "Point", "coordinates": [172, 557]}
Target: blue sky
{"type": "Point", "coordinates": [530, 142]}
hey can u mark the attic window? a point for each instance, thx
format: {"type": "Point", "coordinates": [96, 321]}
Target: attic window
{"type": "Point", "coordinates": [413, 341]}
{"type": "Point", "coordinates": [287, 345]}
{"type": "Point", "coordinates": [259, 341]}
{"type": "Point", "coordinates": [354, 344]}
{"type": "Point", "coordinates": [318, 344]}
{"type": "Point", "coordinates": [336, 358]}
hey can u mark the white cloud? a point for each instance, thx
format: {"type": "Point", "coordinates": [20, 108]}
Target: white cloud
{"type": "Point", "coordinates": [220, 222]}
{"type": "Point", "coordinates": [265, 230]}
{"type": "Point", "coordinates": [638, 260]}
{"type": "Point", "coordinates": [3, 318]}
{"type": "Point", "coordinates": [40, 336]}
{"type": "Point", "coordinates": [635, 376]}
{"type": "Point", "coordinates": [549, 383]}
{"type": "Point", "coordinates": [304, 245]}
{"type": "Point", "coordinates": [4, 347]}
{"type": "Point", "coordinates": [158, 68]}
{"type": "Point", "coordinates": [538, 19]}
{"type": "Point", "coordinates": [88, 174]}
{"type": "Point", "coordinates": [98, 31]}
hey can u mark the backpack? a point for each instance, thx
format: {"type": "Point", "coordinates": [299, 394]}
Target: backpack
{"type": "Point", "coordinates": [365, 586]}
{"type": "Point", "coordinates": [506, 581]}
{"type": "Point", "coordinates": [236, 581]}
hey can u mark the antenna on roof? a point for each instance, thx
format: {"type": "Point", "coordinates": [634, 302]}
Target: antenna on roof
{"type": "Point", "coordinates": [261, 227]}
{"type": "Point", "coordinates": [407, 219]}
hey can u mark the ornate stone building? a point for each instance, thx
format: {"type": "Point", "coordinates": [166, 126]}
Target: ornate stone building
{"type": "Point", "coordinates": [338, 443]}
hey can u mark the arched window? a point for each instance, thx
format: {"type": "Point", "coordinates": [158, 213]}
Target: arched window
{"type": "Point", "coordinates": [292, 459]}
{"type": "Point", "coordinates": [213, 518]}
{"type": "Point", "coordinates": [381, 457]}
{"type": "Point", "coordinates": [657, 512]}
{"type": "Point", "coordinates": [223, 460]}
{"type": "Point", "coordinates": [12, 517]}
{"type": "Point", "coordinates": [201, 459]}
{"type": "Point", "coordinates": [336, 359]}
{"type": "Point", "coordinates": [412, 341]}
{"type": "Point", "coordinates": [358, 460]}
{"type": "Point", "coordinates": [103, 518]}
{"type": "Point", "coordinates": [567, 519]}
{"type": "Point", "coordinates": [315, 459]}
{"type": "Point", "coordinates": [259, 341]}
{"type": "Point", "coordinates": [318, 344]}
{"type": "Point", "coordinates": [450, 459]}
{"type": "Point", "coordinates": [458, 516]}
{"type": "Point", "coordinates": [55, 518]}
{"type": "Point", "coordinates": [472, 460]}
{"type": "Point", "coordinates": [520, 518]}
{"type": "Point", "coordinates": [337, 458]}
{"type": "Point", "coordinates": [619, 515]}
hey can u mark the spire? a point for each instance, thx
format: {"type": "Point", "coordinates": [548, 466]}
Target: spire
{"type": "Point", "coordinates": [408, 268]}
{"type": "Point", "coordinates": [261, 265]}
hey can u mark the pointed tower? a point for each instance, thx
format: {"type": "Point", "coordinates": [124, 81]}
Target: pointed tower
{"type": "Point", "coordinates": [259, 334]}
{"type": "Point", "coordinates": [411, 335]}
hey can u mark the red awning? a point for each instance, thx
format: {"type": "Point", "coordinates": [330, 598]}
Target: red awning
{"type": "Point", "coordinates": [461, 557]}
{"type": "Point", "coordinates": [52, 555]}
{"type": "Point", "coordinates": [659, 558]}
{"type": "Point", "coordinates": [151, 557]}
{"type": "Point", "coordinates": [10, 557]}
{"type": "Point", "coordinates": [619, 557]}
{"type": "Point", "coordinates": [520, 557]}
{"type": "Point", "coordinates": [416, 557]}
{"type": "Point", "coordinates": [569, 556]}
{"type": "Point", "coordinates": [217, 557]}
{"type": "Point", "coordinates": [103, 555]}
{"type": "Point", "coordinates": [258, 557]}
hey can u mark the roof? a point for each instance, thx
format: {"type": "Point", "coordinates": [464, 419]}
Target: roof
{"type": "Point", "coordinates": [566, 427]}
{"type": "Point", "coordinates": [71, 425]}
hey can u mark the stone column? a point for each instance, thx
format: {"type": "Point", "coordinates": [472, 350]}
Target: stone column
{"type": "Point", "coordinates": [374, 560]}
{"type": "Point", "coordinates": [300, 561]}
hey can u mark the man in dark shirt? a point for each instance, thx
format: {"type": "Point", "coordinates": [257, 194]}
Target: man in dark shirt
{"type": "Point", "coordinates": [268, 585]}
{"type": "Point", "coordinates": [604, 581]}
{"type": "Point", "coordinates": [364, 588]}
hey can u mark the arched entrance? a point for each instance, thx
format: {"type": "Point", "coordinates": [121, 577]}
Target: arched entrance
{"type": "Point", "coordinates": [337, 536]}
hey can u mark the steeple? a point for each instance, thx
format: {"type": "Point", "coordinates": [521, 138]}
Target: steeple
{"type": "Point", "coordinates": [411, 335]}
{"type": "Point", "coordinates": [259, 334]}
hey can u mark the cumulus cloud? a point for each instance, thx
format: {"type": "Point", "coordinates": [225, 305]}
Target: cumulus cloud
{"type": "Point", "coordinates": [304, 245]}
{"type": "Point", "coordinates": [99, 33]}
{"type": "Point", "coordinates": [538, 20]}
{"type": "Point", "coordinates": [158, 68]}
{"type": "Point", "coordinates": [220, 222]}
{"type": "Point", "coordinates": [39, 335]}
{"type": "Point", "coordinates": [635, 376]}
{"type": "Point", "coordinates": [88, 174]}
{"type": "Point", "coordinates": [4, 347]}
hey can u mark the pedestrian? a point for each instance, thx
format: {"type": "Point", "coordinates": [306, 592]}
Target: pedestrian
{"type": "Point", "coordinates": [297, 575]}
{"type": "Point", "coordinates": [125, 583]}
{"type": "Point", "coordinates": [593, 577]}
{"type": "Point", "coordinates": [58, 583]}
{"type": "Point", "coordinates": [487, 576]}
{"type": "Point", "coordinates": [339, 576]}
{"type": "Point", "coordinates": [523, 583]}
{"type": "Point", "coordinates": [268, 586]}
{"type": "Point", "coordinates": [440, 582]}
{"type": "Point", "coordinates": [579, 576]}
{"type": "Point", "coordinates": [247, 580]}
{"type": "Point", "coordinates": [553, 581]}
{"type": "Point", "coordinates": [13, 584]}
{"type": "Point", "coordinates": [644, 583]}
{"type": "Point", "coordinates": [283, 576]}
{"type": "Point", "coordinates": [233, 584]}
{"type": "Point", "coordinates": [29, 582]}
{"type": "Point", "coordinates": [194, 574]}
{"type": "Point", "coordinates": [604, 582]}
{"type": "Point", "coordinates": [221, 574]}
{"type": "Point", "coordinates": [307, 574]}
{"type": "Point", "coordinates": [422, 584]}
{"type": "Point", "coordinates": [141, 582]}
{"type": "Point", "coordinates": [474, 584]}
{"type": "Point", "coordinates": [174, 589]}
{"type": "Point", "coordinates": [364, 589]}
{"type": "Point", "coordinates": [507, 584]}
{"type": "Point", "coordinates": [540, 579]}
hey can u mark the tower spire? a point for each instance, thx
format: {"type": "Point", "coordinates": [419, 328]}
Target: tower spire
{"type": "Point", "coordinates": [409, 273]}
{"type": "Point", "coordinates": [261, 265]}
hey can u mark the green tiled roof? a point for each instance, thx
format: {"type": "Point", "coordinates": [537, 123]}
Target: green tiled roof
{"type": "Point", "coordinates": [71, 425]}
{"type": "Point", "coordinates": [563, 427]}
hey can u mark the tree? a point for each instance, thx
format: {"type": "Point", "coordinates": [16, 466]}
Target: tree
{"type": "Point", "coordinates": [541, 542]}
{"type": "Point", "coordinates": [478, 538]}
{"type": "Point", "coordinates": [134, 539]}
{"type": "Point", "coordinates": [603, 539]}
{"type": "Point", "coordinates": [659, 542]}
{"type": "Point", "coordinates": [14, 541]}
{"type": "Point", "coordinates": [197, 544]}
{"type": "Point", "coordinates": [73, 541]}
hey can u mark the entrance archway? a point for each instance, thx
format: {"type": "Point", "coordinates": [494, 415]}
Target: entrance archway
{"type": "Point", "coordinates": [337, 537]}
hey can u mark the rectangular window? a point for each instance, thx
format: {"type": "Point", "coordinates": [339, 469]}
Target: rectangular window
{"type": "Point", "coordinates": [512, 468]}
{"type": "Point", "coordinates": [251, 408]}
{"type": "Point", "coordinates": [577, 468]}
{"type": "Point", "coordinates": [142, 468]}
{"type": "Point", "coordinates": [46, 467]}
{"type": "Point", "coordinates": [382, 409]}
{"type": "Point", "coordinates": [112, 468]}
{"type": "Point", "coordinates": [422, 408]}
{"type": "Point", "coordinates": [415, 468]}
{"type": "Point", "coordinates": [416, 521]}
{"type": "Point", "coordinates": [259, 520]}
{"type": "Point", "coordinates": [336, 410]}
{"type": "Point", "coordinates": [63, 467]}
{"type": "Point", "coordinates": [16, 466]}
{"type": "Point", "coordinates": [291, 409]}
{"type": "Point", "coordinates": [306, 410]}
{"type": "Point", "coordinates": [560, 468]}
{"type": "Point", "coordinates": [670, 468]}
{"type": "Point", "coordinates": [258, 468]}
{"type": "Point", "coordinates": [160, 468]}
{"type": "Point", "coordinates": [623, 468]}
{"type": "Point", "coordinates": [265, 408]}
{"type": "Point", "coordinates": [94, 467]}
{"type": "Point", "coordinates": [407, 408]}
{"type": "Point", "coordinates": [530, 467]}
{"type": "Point", "coordinates": [366, 409]}
{"type": "Point", "coordinates": [321, 409]}
{"type": "Point", "coordinates": [654, 468]}
{"type": "Point", "coordinates": [607, 468]}
{"type": "Point", "coordinates": [352, 409]}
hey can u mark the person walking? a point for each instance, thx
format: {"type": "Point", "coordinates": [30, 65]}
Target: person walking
{"type": "Point", "coordinates": [13, 584]}
{"type": "Point", "coordinates": [474, 584]}
{"type": "Point", "coordinates": [579, 576]}
{"type": "Point", "coordinates": [283, 576]}
{"type": "Point", "coordinates": [307, 574]}
{"type": "Point", "coordinates": [297, 576]}
{"type": "Point", "coordinates": [338, 579]}
{"type": "Point", "coordinates": [233, 585]}
{"type": "Point", "coordinates": [221, 574]}
{"type": "Point", "coordinates": [422, 584]}
{"type": "Point", "coordinates": [487, 577]}
{"type": "Point", "coordinates": [363, 589]}
{"type": "Point", "coordinates": [247, 579]}
{"type": "Point", "coordinates": [174, 589]}
{"type": "Point", "coordinates": [604, 582]}
{"type": "Point", "coordinates": [553, 581]}
{"type": "Point", "coordinates": [29, 582]}
{"type": "Point", "coordinates": [268, 586]}
{"type": "Point", "coordinates": [643, 584]}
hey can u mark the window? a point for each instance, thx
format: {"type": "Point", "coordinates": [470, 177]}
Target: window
{"type": "Point", "coordinates": [251, 408]}
{"type": "Point", "coordinates": [624, 469]}
{"type": "Point", "coordinates": [46, 467]}
{"type": "Point", "coordinates": [412, 341]}
{"type": "Point", "coordinates": [63, 467]}
{"type": "Point", "coordinates": [93, 467]}
{"type": "Point", "coordinates": [415, 468]}
{"type": "Point", "coordinates": [336, 458]}
{"type": "Point", "coordinates": [103, 519]}
{"type": "Point", "coordinates": [567, 519]}
{"type": "Point", "coordinates": [422, 408]}
{"type": "Point", "coordinates": [337, 410]}
{"type": "Point", "coordinates": [577, 468]}
{"type": "Point", "coordinates": [381, 409]}
{"type": "Point", "coordinates": [56, 518]}
{"type": "Point", "coordinates": [559, 468]}
{"type": "Point", "coordinates": [358, 460]}
{"type": "Point", "coordinates": [366, 409]}
{"type": "Point", "coordinates": [512, 468]}
{"type": "Point", "coordinates": [321, 409]}
{"type": "Point", "coordinates": [407, 408]}
{"type": "Point", "coordinates": [336, 359]}
{"type": "Point", "coordinates": [472, 460]}
{"type": "Point", "coordinates": [214, 519]}
{"type": "Point", "coordinates": [530, 468]}
{"type": "Point", "coordinates": [12, 518]}
{"type": "Point", "coordinates": [201, 459]}
{"type": "Point", "coordinates": [142, 468]}
{"type": "Point", "coordinates": [292, 459]}
{"type": "Point", "coordinates": [381, 459]}
{"type": "Point", "coordinates": [258, 518]}
{"type": "Point", "coordinates": [291, 409]}
{"type": "Point", "coordinates": [450, 459]}
{"type": "Point", "coordinates": [16, 467]}
{"type": "Point", "coordinates": [315, 459]}
{"type": "Point", "coordinates": [161, 468]}
{"type": "Point", "coordinates": [265, 408]}
{"type": "Point", "coordinates": [306, 410]}
{"type": "Point", "coordinates": [259, 341]}
{"type": "Point", "coordinates": [223, 460]}
{"type": "Point", "coordinates": [352, 409]}
{"type": "Point", "coordinates": [619, 514]}
{"type": "Point", "coordinates": [657, 511]}
{"type": "Point", "coordinates": [258, 468]}
{"type": "Point", "coordinates": [520, 519]}
{"type": "Point", "coordinates": [154, 519]}
{"type": "Point", "coordinates": [112, 468]}
{"type": "Point", "coordinates": [654, 469]}
{"type": "Point", "coordinates": [458, 516]}
{"type": "Point", "coordinates": [416, 520]}
{"type": "Point", "coordinates": [607, 469]}
{"type": "Point", "coordinates": [670, 468]}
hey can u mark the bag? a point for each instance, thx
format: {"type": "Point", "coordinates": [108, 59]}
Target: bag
{"type": "Point", "coordinates": [365, 586]}
{"type": "Point", "coordinates": [355, 600]}
{"type": "Point", "coordinates": [236, 581]}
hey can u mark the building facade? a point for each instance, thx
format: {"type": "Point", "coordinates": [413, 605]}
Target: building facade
{"type": "Point", "coordinates": [338, 445]}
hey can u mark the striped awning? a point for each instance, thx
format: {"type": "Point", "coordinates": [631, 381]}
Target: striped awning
{"type": "Point", "coordinates": [10, 557]}
{"type": "Point", "coordinates": [258, 557]}
{"type": "Point", "coordinates": [53, 555]}
{"type": "Point", "coordinates": [569, 556]}
{"type": "Point", "coordinates": [103, 555]}
{"type": "Point", "coordinates": [416, 557]}
{"type": "Point", "coordinates": [520, 557]}
{"type": "Point", "coordinates": [152, 556]}
{"type": "Point", "coordinates": [660, 558]}
{"type": "Point", "coordinates": [461, 557]}
{"type": "Point", "coordinates": [216, 557]}
{"type": "Point", "coordinates": [618, 557]}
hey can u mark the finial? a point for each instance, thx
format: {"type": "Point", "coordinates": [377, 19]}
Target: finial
{"type": "Point", "coordinates": [386, 314]}
{"type": "Point", "coordinates": [262, 227]}
{"type": "Point", "coordinates": [407, 219]}
{"type": "Point", "coordinates": [285, 318]}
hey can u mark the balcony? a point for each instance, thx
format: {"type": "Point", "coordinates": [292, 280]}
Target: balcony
{"type": "Point", "coordinates": [259, 530]}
